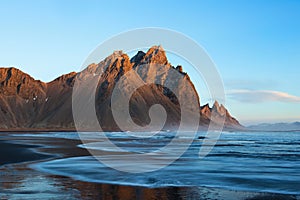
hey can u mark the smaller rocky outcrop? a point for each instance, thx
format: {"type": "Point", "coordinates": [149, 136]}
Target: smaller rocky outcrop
{"type": "Point", "coordinates": [219, 113]}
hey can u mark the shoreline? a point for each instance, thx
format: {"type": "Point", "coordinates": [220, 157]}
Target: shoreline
{"type": "Point", "coordinates": [21, 130]}
{"type": "Point", "coordinates": [35, 130]}
{"type": "Point", "coordinates": [12, 153]}
{"type": "Point", "coordinates": [25, 151]}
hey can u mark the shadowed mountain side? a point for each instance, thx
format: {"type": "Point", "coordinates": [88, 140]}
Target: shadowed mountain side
{"type": "Point", "coordinates": [26, 103]}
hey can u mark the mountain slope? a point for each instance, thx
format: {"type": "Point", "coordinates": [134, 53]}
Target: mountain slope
{"type": "Point", "coordinates": [220, 111]}
{"type": "Point", "coordinates": [26, 103]}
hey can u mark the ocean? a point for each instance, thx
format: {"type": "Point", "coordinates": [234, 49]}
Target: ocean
{"type": "Point", "coordinates": [245, 161]}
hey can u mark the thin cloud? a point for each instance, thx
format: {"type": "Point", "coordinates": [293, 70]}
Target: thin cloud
{"type": "Point", "coordinates": [255, 96]}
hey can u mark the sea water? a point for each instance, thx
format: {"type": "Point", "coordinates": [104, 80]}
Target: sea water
{"type": "Point", "coordinates": [248, 161]}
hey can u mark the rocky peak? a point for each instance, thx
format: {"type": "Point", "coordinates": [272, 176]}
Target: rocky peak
{"type": "Point", "coordinates": [219, 112]}
{"type": "Point", "coordinates": [66, 79]}
{"type": "Point", "coordinates": [114, 56]}
{"type": "Point", "coordinates": [216, 104]}
{"type": "Point", "coordinates": [15, 82]}
{"type": "Point", "coordinates": [26, 102]}
{"type": "Point", "coordinates": [137, 58]}
{"type": "Point", "coordinates": [91, 69]}
{"type": "Point", "coordinates": [205, 110]}
{"type": "Point", "coordinates": [220, 109]}
{"type": "Point", "coordinates": [119, 61]}
{"type": "Point", "coordinates": [118, 64]}
{"type": "Point", "coordinates": [9, 76]}
{"type": "Point", "coordinates": [179, 68]}
{"type": "Point", "coordinates": [155, 55]}
{"type": "Point", "coordinates": [113, 64]}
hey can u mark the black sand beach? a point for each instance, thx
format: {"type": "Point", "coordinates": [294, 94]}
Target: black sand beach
{"type": "Point", "coordinates": [18, 181]}
{"type": "Point", "coordinates": [16, 153]}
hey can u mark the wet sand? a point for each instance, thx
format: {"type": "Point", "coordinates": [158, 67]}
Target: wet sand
{"type": "Point", "coordinates": [18, 181]}
{"type": "Point", "coordinates": [16, 153]}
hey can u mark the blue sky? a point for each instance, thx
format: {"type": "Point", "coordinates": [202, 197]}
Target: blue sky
{"type": "Point", "coordinates": [255, 44]}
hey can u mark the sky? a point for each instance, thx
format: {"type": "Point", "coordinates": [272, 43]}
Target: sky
{"type": "Point", "coordinates": [254, 44]}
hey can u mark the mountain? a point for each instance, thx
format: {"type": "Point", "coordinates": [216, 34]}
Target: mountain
{"type": "Point", "coordinates": [29, 104]}
{"type": "Point", "coordinates": [295, 126]}
{"type": "Point", "coordinates": [220, 111]}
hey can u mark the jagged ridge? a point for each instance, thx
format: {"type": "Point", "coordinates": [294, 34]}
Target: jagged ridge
{"type": "Point", "coordinates": [26, 103]}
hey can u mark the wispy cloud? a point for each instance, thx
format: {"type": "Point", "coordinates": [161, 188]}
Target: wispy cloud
{"type": "Point", "coordinates": [255, 96]}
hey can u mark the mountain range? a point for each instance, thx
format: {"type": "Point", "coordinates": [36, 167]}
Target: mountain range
{"type": "Point", "coordinates": [295, 126]}
{"type": "Point", "coordinates": [29, 104]}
